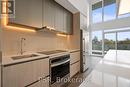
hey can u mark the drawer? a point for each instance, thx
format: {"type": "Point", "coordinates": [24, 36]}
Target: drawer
{"type": "Point", "coordinates": [74, 57]}
{"type": "Point", "coordinates": [74, 69]}
{"type": "Point", "coordinates": [22, 74]}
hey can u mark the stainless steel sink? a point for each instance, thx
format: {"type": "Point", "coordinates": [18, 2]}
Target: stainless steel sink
{"type": "Point", "coordinates": [24, 56]}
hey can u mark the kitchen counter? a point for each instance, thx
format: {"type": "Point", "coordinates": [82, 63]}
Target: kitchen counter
{"type": "Point", "coordinates": [112, 71]}
{"type": "Point", "coordinates": [8, 59]}
{"type": "Point", "coordinates": [74, 50]}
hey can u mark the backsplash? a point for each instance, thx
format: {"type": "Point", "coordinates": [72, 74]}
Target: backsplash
{"type": "Point", "coordinates": [39, 41]}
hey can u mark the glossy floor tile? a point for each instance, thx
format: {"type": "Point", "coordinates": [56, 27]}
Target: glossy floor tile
{"type": "Point", "coordinates": [112, 71]}
{"type": "Point", "coordinates": [92, 62]}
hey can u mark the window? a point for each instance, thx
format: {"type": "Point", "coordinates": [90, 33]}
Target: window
{"type": "Point", "coordinates": [109, 41]}
{"type": "Point", "coordinates": [105, 10]}
{"type": "Point", "coordinates": [109, 10]}
{"type": "Point", "coordinates": [123, 42]}
{"type": "Point", "coordinates": [97, 12]}
{"type": "Point", "coordinates": [97, 42]}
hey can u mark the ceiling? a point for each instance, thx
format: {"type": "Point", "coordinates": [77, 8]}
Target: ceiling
{"type": "Point", "coordinates": [66, 4]}
{"type": "Point", "coordinates": [74, 6]}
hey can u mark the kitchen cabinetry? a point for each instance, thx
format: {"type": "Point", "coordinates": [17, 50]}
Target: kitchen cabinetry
{"type": "Point", "coordinates": [68, 22]}
{"type": "Point", "coordinates": [74, 57]}
{"type": "Point", "coordinates": [63, 20]}
{"type": "Point", "coordinates": [49, 13]}
{"type": "Point", "coordinates": [74, 63]}
{"type": "Point", "coordinates": [28, 13]}
{"type": "Point", "coordinates": [41, 83]}
{"type": "Point", "coordinates": [41, 13]}
{"type": "Point", "coordinates": [59, 18]}
{"type": "Point", "coordinates": [83, 22]}
{"type": "Point", "coordinates": [74, 69]}
{"type": "Point", "coordinates": [23, 74]}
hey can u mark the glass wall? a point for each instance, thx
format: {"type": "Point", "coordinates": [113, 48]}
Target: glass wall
{"type": "Point", "coordinates": [103, 41]}
{"type": "Point", "coordinates": [106, 10]}
{"type": "Point", "coordinates": [97, 12]}
{"type": "Point", "coordinates": [123, 40]}
{"type": "Point", "coordinates": [109, 41]}
{"type": "Point", "coordinates": [109, 10]}
{"type": "Point", "coordinates": [97, 42]}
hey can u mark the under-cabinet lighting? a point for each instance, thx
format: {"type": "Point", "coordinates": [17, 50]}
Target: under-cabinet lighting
{"type": "Point", "coordinates": [124, 7]}
{"type": "Point", "coordinates": [62, 35]}
{"type": "Point", "coordinates": [5, 23]}
{"type": "Point", "coordinates": [19, 28]}
{"type": "Point", "coordinates": [50, 28]}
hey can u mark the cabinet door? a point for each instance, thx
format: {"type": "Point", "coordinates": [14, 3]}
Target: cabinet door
{"type": "Point", "coordinates": [68, 22]}
{"type": "Point", "coordinates": [37, 84]}
{"type": "Point", "coordinates": [49, 13]}
{"type": "Point", "coordinates": [74, 57]}
{"type": "Point", "coordinates": [45, 82]}
{"type": "Point", "coordinates": [83, 22]}
{"type": "Point", "coordinates": [42, 83]}
{"type": "Point", "coordinates": [59, 18]}
{"type": "Point", "coordinates": [41, 68]}
{"type": "Point", "coordinates": [74, 69]}
{"type": "Point", "coordinates": [18, 75]}
{"type": "Point", "coordinates": [28, 12]}
{"type": "Point", "coordinates": [23, 74]}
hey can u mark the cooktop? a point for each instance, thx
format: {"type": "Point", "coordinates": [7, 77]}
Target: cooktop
{"type": "Point", "coordinates": [51, 52]}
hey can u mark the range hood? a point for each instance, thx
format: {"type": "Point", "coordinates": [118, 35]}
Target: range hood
{"type": "Point", "coordinates": [50, 29]}
{"type": "Point", "coordinates": [36, 29]}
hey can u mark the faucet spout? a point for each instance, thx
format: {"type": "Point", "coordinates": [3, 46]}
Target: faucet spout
{"type": "Point", "coordinates": [22, 45]}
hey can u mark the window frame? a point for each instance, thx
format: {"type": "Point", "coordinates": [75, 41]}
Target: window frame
{"type": "Point", "coordinates": [101, 12]}
{"type": "Point", "coordinates": [117, 16]}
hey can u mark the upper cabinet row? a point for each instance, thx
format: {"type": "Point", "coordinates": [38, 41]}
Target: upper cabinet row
{"type": "Point", "coordinates": [41, 13]}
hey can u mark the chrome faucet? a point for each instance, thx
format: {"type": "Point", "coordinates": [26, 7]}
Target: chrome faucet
{"type": "Point", "coordinates": [22, 44]}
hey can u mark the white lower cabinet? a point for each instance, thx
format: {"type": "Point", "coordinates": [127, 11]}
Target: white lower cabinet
{"type": "Point", "coordinates": [22, 74]}
{"type": "Point", "coordinates": [45, 82]}
{"type": "Point", "coordinates": [74, 69]}
{"type": "Point", "coordinates": [42, 83]}
{"type": "Point", "coordinates": [74, 63]}
{"type": "Point", "coordinates": [74, 57]}
{"type": "Point", "coordinates": [37, 84]}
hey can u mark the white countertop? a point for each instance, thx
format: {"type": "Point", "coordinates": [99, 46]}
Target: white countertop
{"type": "Point", "coordinates": [7, 60]}
{"type": "Point", "coordinates": [112, 71]}
{"type": "Point", "coordinates": [73, 50]}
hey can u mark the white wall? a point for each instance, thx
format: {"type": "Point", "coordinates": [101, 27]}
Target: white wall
{"type": "Point", "coordinates": [81, 5]}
